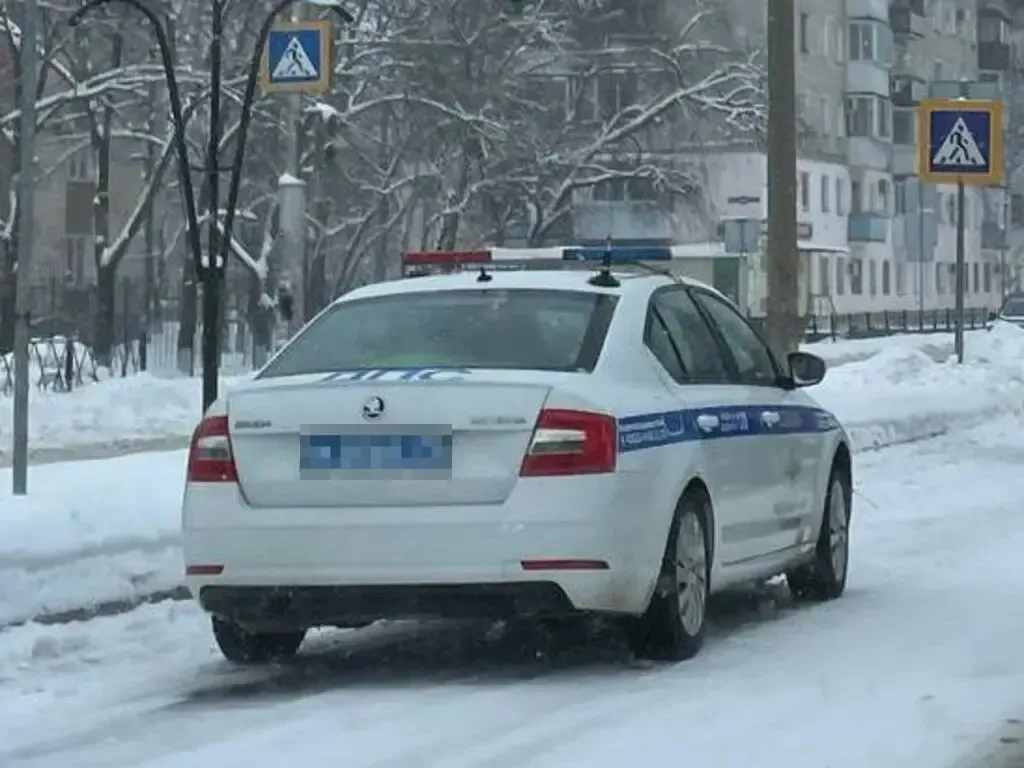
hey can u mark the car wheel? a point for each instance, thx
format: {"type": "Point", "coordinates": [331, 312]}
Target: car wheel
{"type": "Point", "coordinates": [244, 647]}
{"type": "Point", "coordinates": [672, 628]}
{"type": "Point", "coordinates": [824, 578]}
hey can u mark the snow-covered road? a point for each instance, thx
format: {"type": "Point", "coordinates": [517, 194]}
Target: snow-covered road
{"type": "Point", "coordinates": [917, 665]}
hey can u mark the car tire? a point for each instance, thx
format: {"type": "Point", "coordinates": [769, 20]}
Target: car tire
{"type": "Point", "coordinates": [241, 646]}
{"type": "Point", "coordinates": [824, 578]}
{"type": "Point", "coordinates": [672, 628]}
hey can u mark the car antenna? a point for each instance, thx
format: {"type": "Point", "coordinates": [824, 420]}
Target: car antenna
{"type": "Point", "coordinates": [484, 276]}
{"type": "Point", "coordinates": [605, 278]}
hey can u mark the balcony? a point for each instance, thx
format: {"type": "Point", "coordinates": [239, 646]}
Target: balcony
{"type": "Point", "coordinates": [868, 9]}
{"type": "Point", "coordinates": [906, 90]}
{"type": "Point", "coordinates": [634, 220]}
{"type": "Point", "coordinates": [993, 237]}
{"type": "Point", "coordinates": [906, 23]}
{"type": "Point", "coordinates": [867, 228]}
{"type": "Point", "coordinates": [993, 57]}
{"type": "Point", "coordinates": [867, 77]}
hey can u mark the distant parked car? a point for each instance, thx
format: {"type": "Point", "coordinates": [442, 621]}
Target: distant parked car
{"type": "Point", "coordinates": [1012, 310]}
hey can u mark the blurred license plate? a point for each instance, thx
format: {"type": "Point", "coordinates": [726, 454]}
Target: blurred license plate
{"type": "Point", "coordinates": [375, 453]}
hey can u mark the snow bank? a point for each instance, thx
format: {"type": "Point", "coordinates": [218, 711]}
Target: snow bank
{"type": "Point", "coordinates": [90, 532]}
{"type": "Point", "coordinates": [99, 531]}
{"type": "Point", "coordinates": [901, 393]}
{"type": "Point", "coordinates": [937, 346]}
{"type": "Point", "coordinates": [119, 412]}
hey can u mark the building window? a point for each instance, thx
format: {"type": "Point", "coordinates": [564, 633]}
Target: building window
{"type": "Point", "coordinates": [886, 278]}
{"type": "Point", "coordinates": [856, 276]}
{"type": "Point", "coordinates": [883, 201]}
{"type": "Point", "coordinates": [80, 166]}
{"type": "Point", "coordinates": [870, 41]}
{"type": "Point", "coordinates": [840, 276]}
{"type": "Point", "coordinates": [940, 277]}
{"type": "Point", "coordinates": [823, 276]}
{"type": "Point", "coordinates": [904, 123]}
{"type": "Point", "coordinates": [826, 189]}
{"type": "Point", "coordinates": [883, 111]}
{"type": "Point", "coordinates": [1017, 209]}
{"type": "Point", "coordinates": [805, 33]}
{"type": "Point", "coordinates": [840, 197]}
{"type": "Point", "coordinates": [901, 279]}
{"type": "Point", "coordinates": [805, 191]}
{"type": "Point", "coordinates": [868, 116]}
{"type": "Point", "coordinates": [872, 277]}
{"type": "Point", "coordinates": [992, 29]}
{"type": "Point", "coordinates": [988, 277]}
{"type": "Point", "coordinates": [899, 196]}
{"type": "Point", "coordinates": [75, 248]}
{"type": "Point", "coordinates": [977, 274]}
{"type": "Point", "coordinates": [856, 197]}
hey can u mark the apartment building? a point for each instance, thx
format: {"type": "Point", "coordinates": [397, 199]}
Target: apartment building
{"type": "Point", "coordinates": [872, 236]}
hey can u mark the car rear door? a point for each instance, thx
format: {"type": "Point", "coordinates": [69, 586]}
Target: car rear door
{"type": "Point", "coordinates": [695, 371]}
{"type": "Point", "coordinates": [788, 448]}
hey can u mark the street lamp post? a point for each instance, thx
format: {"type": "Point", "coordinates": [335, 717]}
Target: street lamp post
{"type": "Point", "coordinates": [210, 270]}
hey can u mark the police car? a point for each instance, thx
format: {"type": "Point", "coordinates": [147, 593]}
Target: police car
{"type": "Point", "coordinates": [571, 439]}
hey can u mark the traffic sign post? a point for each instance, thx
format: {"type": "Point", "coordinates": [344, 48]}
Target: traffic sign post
{"type": "Point", "coordinates": [298, 58]}
{"type": "Point", "coordinates": [960, 141]}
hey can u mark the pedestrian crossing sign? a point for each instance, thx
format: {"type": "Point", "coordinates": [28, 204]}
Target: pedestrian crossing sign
{"type": "Point", "coordinates": [960, 141]}
{"type": "Point", "coordinates": [297, 58]}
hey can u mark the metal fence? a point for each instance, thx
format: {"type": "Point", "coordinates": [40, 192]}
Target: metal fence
{"type": "Point", "coordinates": [60, 364]}
{"type": "Point", "coordinates": [867, 325]}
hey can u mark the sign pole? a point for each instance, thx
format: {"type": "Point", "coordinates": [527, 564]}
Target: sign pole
{"type": "Point", "coordinates": [26, 231]}
{"type": "Point", "coordinates": [961, 273]}
{"type": "Point", "coordinates": [960, 141]}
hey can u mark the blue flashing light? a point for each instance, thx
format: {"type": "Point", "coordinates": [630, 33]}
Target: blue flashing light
{"type": "Point", "coordinates": [620, 254]}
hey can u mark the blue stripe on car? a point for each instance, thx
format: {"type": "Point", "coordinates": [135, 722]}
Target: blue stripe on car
{"type": "Point", "coordinates": [654, 430]}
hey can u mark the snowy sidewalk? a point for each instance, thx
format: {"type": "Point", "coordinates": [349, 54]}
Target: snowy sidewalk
{"type": "Point", "coordinates": [93, 532]}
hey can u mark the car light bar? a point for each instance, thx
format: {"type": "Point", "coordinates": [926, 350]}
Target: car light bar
{"type": "Point", "coordinates": [496, 259]}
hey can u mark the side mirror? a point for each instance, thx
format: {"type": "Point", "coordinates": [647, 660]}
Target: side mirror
{"type": "Point", "coordinates": [806, 369]}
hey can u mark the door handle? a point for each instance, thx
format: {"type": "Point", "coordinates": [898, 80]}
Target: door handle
{"type": "Point", "coordinates": [770, 418]}
{"type": "Point", "coordinates": [707, 422]}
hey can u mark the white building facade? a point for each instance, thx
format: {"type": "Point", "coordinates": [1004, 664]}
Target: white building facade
{"type": "Point", "coordinates": [873, 238]}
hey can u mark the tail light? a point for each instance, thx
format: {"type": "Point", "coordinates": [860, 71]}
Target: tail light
{"type": "Point", "coordinates": [209, 455]}
{"type": "Point", "coordinates": [567, 442]}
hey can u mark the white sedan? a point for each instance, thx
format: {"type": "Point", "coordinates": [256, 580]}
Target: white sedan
{"type": "Point", "coordinates": [514, 443]}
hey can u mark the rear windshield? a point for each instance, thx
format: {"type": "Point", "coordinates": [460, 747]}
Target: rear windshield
{"type": "Point", "coordinates": [491, 328]}
{"type": "Point", "coordinates": [1014, 307]}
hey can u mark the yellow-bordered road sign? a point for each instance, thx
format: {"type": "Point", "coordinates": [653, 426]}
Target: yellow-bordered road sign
{"type": "Point", "coordinates": [960, 140]}
{"type": "Point", "coordinates": [297, 58]}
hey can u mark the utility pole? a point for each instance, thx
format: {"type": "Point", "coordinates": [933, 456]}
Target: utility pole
{"type": "Point", "coordinates": [292, 202]}
{"type": "Point", "coordinates": [783, 265]}
{"type": "Point", "coordinates": [26, 213]}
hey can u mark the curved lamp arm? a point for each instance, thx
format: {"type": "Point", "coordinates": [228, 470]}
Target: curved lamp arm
{"type": "Point", "coordinates": [188, 191]}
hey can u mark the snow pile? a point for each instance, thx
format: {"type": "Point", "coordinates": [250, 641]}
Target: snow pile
{"type": "Point", "coordinates": [901, 393]}
{"type": "Point", "coordinates": [937, 346]}
{"type": "Point", "coordinates": [120, 413]}
{"type": "Point", "coordinates": [90, 532]}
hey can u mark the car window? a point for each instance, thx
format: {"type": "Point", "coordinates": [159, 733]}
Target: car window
{"type": "Point", "coordinates": [659, 342]}
{"type": "Point", "coordinates": [754, 363]}
{"type": "Point", "coordinates": [701, 356]}
{"type": "Point", "coordinates": [531, 329]}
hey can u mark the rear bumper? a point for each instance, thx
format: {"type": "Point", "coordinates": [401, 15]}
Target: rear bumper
{"type": "Point", "coordinates": [280, 608]}
{"type": "Point", "coordinates": [347, 566]}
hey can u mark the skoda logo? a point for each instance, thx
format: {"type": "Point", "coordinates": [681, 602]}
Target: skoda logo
{"type": "Point", "coordinates": [373, 409]}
